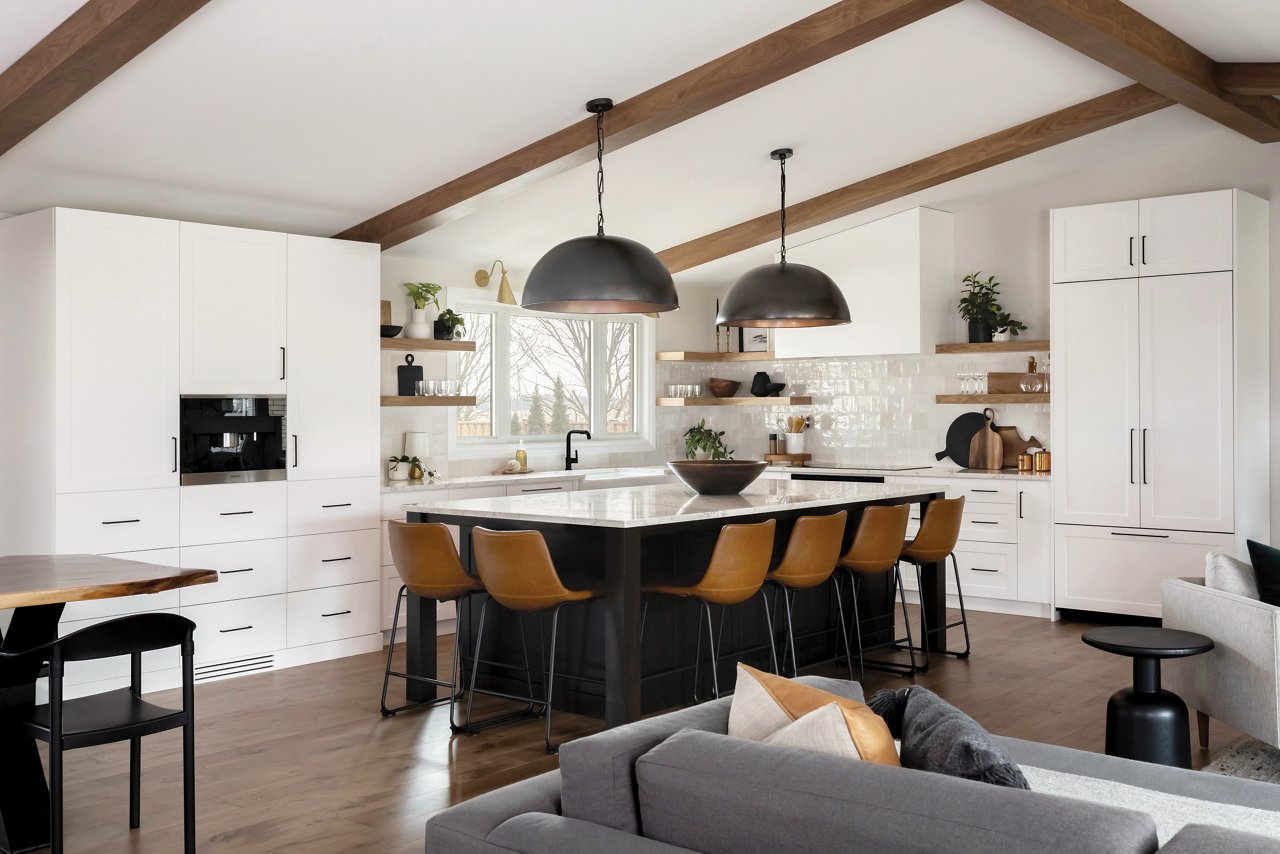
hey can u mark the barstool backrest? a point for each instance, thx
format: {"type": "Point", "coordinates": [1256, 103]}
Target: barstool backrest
{"type": "Point", "coordinates": [939, 531]}
{"type": "Point", "coordinates": [428, 561]}
{"type": "Point", "coordinates": [738, 564]}
{"type": "Point", "coordinates": [517, 569]}
{"type": "Point", "coordinates": [878, 543]}
{"type": "Point", "coordinates": [812, 550]}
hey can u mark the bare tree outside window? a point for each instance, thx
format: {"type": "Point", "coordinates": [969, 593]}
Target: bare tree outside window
{"type": "Point", "coordinates": [475, 376]}
{"type": "Point", "coordinates": [550, 375]}
{"type": "Point", "coordinates": [620, 378]}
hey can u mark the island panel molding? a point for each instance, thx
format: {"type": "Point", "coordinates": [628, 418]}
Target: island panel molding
{"type": "Point", "coordinates": [838, 28]}
{"type": "Point", "coordinates": [1002, 146]}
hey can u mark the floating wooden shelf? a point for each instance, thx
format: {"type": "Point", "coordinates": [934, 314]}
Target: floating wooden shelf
{"type": "Point", "coordinates": [735, 401]}
{"type": "Point", "coordinates": [427, 344]}
{"type": "Point", "coordinates": [1037, 345]}
{"type": "Point", "coordinates": [690, 356]}
{"type": "Point", "coordinates": [796, 460]}
{"type": "Point", "coordinates": [1039, 397]}
{"type": "Point", "coordinates": [429, 400]}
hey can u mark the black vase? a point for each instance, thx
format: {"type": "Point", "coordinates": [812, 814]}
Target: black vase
{"type": "Point", "coordinates": [762, 387]}
{"type": "Point", "coordinates": [979, 332]}
{"type": "Point", "coordinates": [444, 332]}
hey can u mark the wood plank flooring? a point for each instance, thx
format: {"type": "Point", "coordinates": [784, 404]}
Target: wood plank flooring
{"type": "Point", "coordinates": [300, 760]}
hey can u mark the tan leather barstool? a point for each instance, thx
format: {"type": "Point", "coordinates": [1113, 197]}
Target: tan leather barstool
{"type": "Point", "coordinates": [735, 573]}
{"type": "Point", "coordinates": [875, 550]}
{"type": "Point", "coordinates": [428, 565]}
{"type": "Point", "coordinates": [518, 574]}
{"type": "Point", "coordinates": [934, 542]}
{"type": "Point", "coordinates": [810, 560]}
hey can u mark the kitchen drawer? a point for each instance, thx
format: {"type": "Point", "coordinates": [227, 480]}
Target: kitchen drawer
{"type": "Point", "coordinates": [232, 512]}
{"type": "Point", "coordinates": [984, 523]}
{"type": "Point", "coordinates": [984, 491]}
{"type": "Point", "coordinates": [342, 504]}
{"type": "Point", "coordinates": [226, 631]}
{"type": "Point", "coordinates": [462, 493]}
{"type": "Point", "coordinates": [118, 606]}
{"type": "Point", "coordinates": [986, 569]}
{"type": "Point", "coordinates": [536, 487]}
{"type": "Point", "coordinates": [124, 521]}
{"type": "Point", "coordinates": [323, 560]}
{"type": "Point", "coordinates": [254, 568]}
{"type": "Point", "coordinates": [334, 613]}
{"type": "Point", "coordinates": [117, 667]}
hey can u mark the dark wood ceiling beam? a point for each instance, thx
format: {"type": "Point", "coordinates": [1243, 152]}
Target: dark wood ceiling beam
{"type": "Point", "coordinates": [823, 35]}
{"type": "Point", "coordinates": [1248, 78]}
{"type": "Point", "coordinates": [1137, 47]}
{"type": "Point", "coordinates": [85, 49]}
{"type": "Point", "coordinates": [1000, 147]}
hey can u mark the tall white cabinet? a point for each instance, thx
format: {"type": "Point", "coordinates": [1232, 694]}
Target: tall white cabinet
{"type": "Point", "coordinates": [1160, 396]}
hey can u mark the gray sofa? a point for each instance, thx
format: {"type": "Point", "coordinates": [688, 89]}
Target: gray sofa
{"type": "Point", "coordinates": [678, 783]}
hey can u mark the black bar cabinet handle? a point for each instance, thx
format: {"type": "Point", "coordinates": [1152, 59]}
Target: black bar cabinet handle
{"type": "Point", "coordinates": [122, 521]}
{"type": "Point", "coordinates": [334, 559]}
{"type": "Point", "coordinates": [229, 631]}
{"type": "Point", "coordinates": [1144, 536]}
{"type": "Point", "coordinates": [1130, 455]}
{"type": "Point", "coordinates": [984, 490]}
{"type": "Point", "coordinates": [336, 614]}
{"type": "Point", "coordinates": [1144, 249]}
{"type": "Point", "coordinates": [980, 569]}
{"type": "Point", "coordinates": [1020, 493]}
{"type": "Point", "coordinates": [1144, 456]}
{"type": "Point", "coordinates": [543, 489]}
{"type": "Point", "coordinates": [234, 571]}
{"type": "Point", "coordinates": [282, 363]}
{"type": "Point", "coordinates": [331, 506]}
{"type": "Point", "coordinates": [295, 450]}
{"type": "Point", "coordinates": [1130, 250]}
{"type": "Point", "coordinates": [981, 522]}
{"type": "Point", "coordinates": [237, 513]}
{"type": "Point", "coordinates": [175, 452]}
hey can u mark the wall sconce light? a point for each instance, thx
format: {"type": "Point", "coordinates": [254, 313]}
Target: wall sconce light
{"type": "Point", "coordinates": [506, 296]}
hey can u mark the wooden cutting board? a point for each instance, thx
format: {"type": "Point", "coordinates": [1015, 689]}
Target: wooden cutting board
{"type": "Point", "coordinates": [986, 449]}
{"type": "Point", "coordinates": [1015, 444]}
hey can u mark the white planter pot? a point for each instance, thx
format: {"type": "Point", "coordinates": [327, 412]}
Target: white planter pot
{"type": "Point", "coordinates": [397, 472]}
{"type": "Point", "coordinates": [1002, 336]}
{"type": "Point", "coordinates": [419, 325]}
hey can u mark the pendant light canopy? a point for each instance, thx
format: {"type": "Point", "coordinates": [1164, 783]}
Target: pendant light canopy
{"type": "Point", "coordinates": [600, 274]}
{"type": "Point", "coordinates": [784, 294]}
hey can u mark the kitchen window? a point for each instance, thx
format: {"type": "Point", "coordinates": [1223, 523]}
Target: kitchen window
{"type": "Point", "coordinates": [536, 376]}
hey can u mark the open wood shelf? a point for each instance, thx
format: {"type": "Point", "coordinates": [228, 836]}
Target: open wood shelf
{"type": "Point", "coordinates": [1038, 397]}
{"type": "Point", "coordinates": [691, 356]}
{"type": "Point", "coordinates": [428, 400]}
{"type": "Point", "coordinates": [796, 460]}
{"type": "Point", "coordinates": [735, 401]}
{"type": "Point", "coordinates": [427, 344]}
{"type": "Point", "coordinates": [1037, 345]}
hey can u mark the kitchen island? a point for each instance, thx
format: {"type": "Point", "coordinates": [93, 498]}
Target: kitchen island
{"type": "Point", "coordinates": [615, 538]}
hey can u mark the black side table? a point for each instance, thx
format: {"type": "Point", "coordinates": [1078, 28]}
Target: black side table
{"type": "Point", "coordinates": [1146, 722]}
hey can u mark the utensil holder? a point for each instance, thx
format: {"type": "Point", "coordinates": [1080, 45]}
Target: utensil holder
{"type": "Point", "coordinates": [795, 443]}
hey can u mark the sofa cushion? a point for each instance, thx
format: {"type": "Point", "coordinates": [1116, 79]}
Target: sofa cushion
{"type": "Point", "coordinates": [1225, 573]}
{"type": "Point", "coordinates": [938, 737]}
{"type": "Point", "coordinates": [539, 833]}
{"type": "Point", "coordinates": [858, 734]}
{"type": "Point", "coordinates": [464, 827]}
{"type": "Point", "coordinates": [720, 794]}
{"type": "Point", "coordinates": [1210, 839]}
{"type": "Point", "coordinates": [598, 771]}
{"type": "Point", "coordinates": [1266, 568]}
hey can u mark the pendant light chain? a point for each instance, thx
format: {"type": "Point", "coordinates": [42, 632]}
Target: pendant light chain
{"type": "Point", "coordinates": [600, 174]}
{"type": "Point", "coordinates": [782, 166]}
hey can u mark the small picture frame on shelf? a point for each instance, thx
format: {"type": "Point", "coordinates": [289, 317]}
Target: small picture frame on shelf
{"type": "Point", "coordinates": [753, 340]}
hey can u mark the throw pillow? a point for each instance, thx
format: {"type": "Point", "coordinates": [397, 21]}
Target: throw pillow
{"type": "Point", "coordinates": [837, 730]}
{"type": "Point", "coordinates": [1225, 573]}
{"type": "Point", "coordinates": [1266, 567]}
{"type": "Point", "coordinates": [764, 703]}
{"type": "Point", "coordinates": [938, 737]}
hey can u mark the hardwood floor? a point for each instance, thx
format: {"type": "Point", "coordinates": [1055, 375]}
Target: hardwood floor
{"type": "Point", "coordinates": [301, 760]}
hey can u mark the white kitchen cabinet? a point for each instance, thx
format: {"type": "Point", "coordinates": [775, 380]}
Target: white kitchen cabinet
{"type": "Point", "coordinates": [108, 522]}
{"type": "Point", "coordinates": [340, 504]}
{"type": "Point", "coordinates": [115, 351]}
{"type": "Point", "coordinates": [237, 630]}
{"type": "Point", "coordinates": [1093, 242]}
{"type": "Point", "coordinates": [333, 613]}
{"type": "Point", "coordinates": [1187, 431]}
{"type": "Point", "coordinates": [1095, 352]}
{"type": "Point", "coordinates": [539, 487]}
{"type": "Point", "coordinates": [896, 273]}
{"type": "Point", "coordinates": [327, 560]}
{"type": "Point", "coordinates": [332, 358]}
{"type": "Point", "coordinates": [1119, 570]}
{"type": "Point", "coordinates": [245, 570]}
{"type": "Point", "coordinates": [1190, 233]}
{"type": "Point", "coordinates": [1035, 541]}
{"type": "Point", "coordinates": [233, 311]}
{"type": "Point", "coordinates": [232, 512]}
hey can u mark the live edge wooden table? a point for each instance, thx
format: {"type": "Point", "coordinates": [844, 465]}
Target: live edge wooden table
{"type": "Point", "coordinates": [610, 538]}
{"type": "Point", "coordinates": [37, 587]}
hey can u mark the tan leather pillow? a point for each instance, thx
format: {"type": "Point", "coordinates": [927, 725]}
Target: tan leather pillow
{"type": "Point", "coordinates": [765, 704]}
{"type": "Point", "coordinates": [858, 734]}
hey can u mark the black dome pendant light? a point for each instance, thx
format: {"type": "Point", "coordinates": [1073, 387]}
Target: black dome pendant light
{"type": "Point", "coordinates": [600, 274]}
{"type": "Point", "coordinates": [783, 294]}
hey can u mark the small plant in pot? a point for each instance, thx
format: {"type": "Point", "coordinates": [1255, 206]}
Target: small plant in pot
{"type": "Point", "coordinates": [980, 307]}
{"type": "Point", "coordinates": [449, 325]}
{"type": "Point", "coordinates": [404, 468]}
{"type": "Point", "coordinates": [703, 443]}
{"type": "Point", "coordinates": [423, 294]}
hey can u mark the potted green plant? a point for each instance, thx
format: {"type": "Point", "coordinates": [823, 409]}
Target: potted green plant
{"type": "Point", "coordinates": [702, 442]}
{"type": "Point", "coordinates": [980, 307]}
{"type": "Point", "coordinates": [1006, 328]}
{"type": "Point", "coordinates": [448, 325]}
{"type": "Point", "coordinates": [423, 294]}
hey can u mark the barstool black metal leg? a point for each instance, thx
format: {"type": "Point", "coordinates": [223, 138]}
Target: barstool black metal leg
{"type": "Point", "coordinates": [551, 676]}
{"type": "Point", "coordinates": [857, 629]}
{"type": "Point", "coordinates": [768, 618]}
{"type": "Point", "coordinates": [844, 631]}
{"type": "Point", "coordinates": [964, 616]}
{"type": "Point", "coordinates": [457, 660]}
{"type": "Point", "coordinates": [386, 674]}
{"type": "Point", "coordinates": [475, 662]}
{"type": "Point", "coordinates": [906, 624]}
{"type": "Point", "coordinates": [528, 670]}
{"type": "Point", "coordinates": [697, 659]}
{"type": "Point", "coordinates": [789, 598]}
{"type": "Point", "coordinates": [715, 661]}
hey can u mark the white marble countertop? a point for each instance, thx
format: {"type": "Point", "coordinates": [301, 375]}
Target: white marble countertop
{"type": "Point", "coordinates": [480, 480]}
{"type": "Point", "coordinates": [640, 506]}
{"type": "Point", "coordinates": [927, 471]}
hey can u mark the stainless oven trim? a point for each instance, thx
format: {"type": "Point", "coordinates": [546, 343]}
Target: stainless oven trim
{"type": "Point", "coordinates": [205, 477]}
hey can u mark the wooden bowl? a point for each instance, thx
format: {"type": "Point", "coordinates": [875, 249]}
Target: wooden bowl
{"type": "Point", "coordinates": [723, 388]}
{"type": "Point", "coordinates": [717, 477]}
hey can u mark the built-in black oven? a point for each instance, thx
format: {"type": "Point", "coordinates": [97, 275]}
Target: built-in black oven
{"type": "Point", "coordinates": [232, 439]}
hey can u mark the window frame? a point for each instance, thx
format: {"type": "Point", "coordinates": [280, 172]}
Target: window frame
{"type": "Point", "coordinates": [502, 442]}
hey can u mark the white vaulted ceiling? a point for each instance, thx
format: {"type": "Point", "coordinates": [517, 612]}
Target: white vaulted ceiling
{"type": "Point", "coordinates": [312, 115]}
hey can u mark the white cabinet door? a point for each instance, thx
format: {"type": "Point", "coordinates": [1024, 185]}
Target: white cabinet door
{"type": "Point", "coordinates": [1118, 570]}
{"type": "Point", "coordinates": [1192, 233]}
{"type": "Point", "coordinates": [540, 486]}
{"type": "Point", "coordinates": [1094, 242]}
{"type": "Point", "coordinates": [1186, 438]}
{"type": "Point", "coordinates": [1035, 542]}
{"type": "Point", "coordinates": [233, 310]}
{"type": "Point", "coordinates": [116, 355]}
{"type": "Point", "coordinates": [1095, 402]}
{"type": "Point", "coordinates": [332, 358]}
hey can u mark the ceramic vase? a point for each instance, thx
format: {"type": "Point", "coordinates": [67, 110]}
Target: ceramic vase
{"type": "Point", "coordinates": [397, 472]}
{"type": "Point", "coordinates": [419, 326]}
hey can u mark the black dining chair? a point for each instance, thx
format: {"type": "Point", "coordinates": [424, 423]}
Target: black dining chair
{"type": "Point", "coordinates": [120, 715]}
